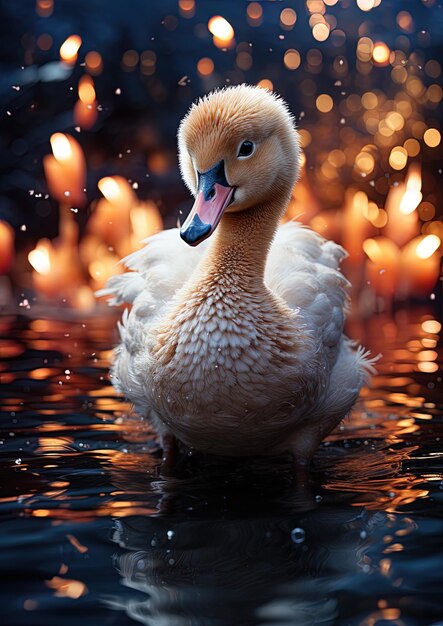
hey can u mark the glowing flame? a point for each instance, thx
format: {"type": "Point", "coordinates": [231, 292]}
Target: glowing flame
{"type": "Point", "coordinates": [86, 91]}
{"type": "Point", "coordinates": [70, 48]}
{"type": "Point", "coordinates": [6, 247]}
{"type": "Point", "coordinates": [383, 267]}
{"type": "Point", "coordinates": [6, 233]}
{"type": "Point", "coordinates": [427, 246]}
{"type": "Point", "coordinates": [110, 188]}
{"type": "Point", "coordinates": [40, 257]}
{"type": "Point", "coordinates": [221, 29]}
{"type": "Point", "coordinates": [373, 250]}
{"type": "Point", "coordinates": [410, 200]}
{"type": "Point", "coordinates": [412, 196]}
{"type": "Point", "coordinates": [61, 147]}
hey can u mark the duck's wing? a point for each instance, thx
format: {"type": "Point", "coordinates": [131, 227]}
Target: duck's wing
{"type": "Point", "coordinates": [157, 271]}
{"type": "Point", "coordinates": [303, 269]}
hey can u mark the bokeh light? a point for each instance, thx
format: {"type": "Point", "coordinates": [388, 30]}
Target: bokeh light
{"type": "Point", "coordinates": [432, 137]}
{"type": "Point", "coordinates": [292, 59]}
{"type": "Point", "coordinates": [70, 48]}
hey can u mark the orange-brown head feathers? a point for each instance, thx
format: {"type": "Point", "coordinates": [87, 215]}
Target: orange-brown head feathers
{"type": "Point", "coordinates": [252, 131]}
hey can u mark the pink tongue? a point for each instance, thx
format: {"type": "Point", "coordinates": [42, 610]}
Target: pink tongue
{"type": "Point", "coordinates": [210, 211]}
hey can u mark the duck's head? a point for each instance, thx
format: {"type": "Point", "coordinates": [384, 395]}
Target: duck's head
{"type": "Point", "coordinates": [238, 149]}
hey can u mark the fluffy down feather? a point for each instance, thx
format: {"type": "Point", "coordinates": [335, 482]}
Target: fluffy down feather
{"type": "Point", "coordinates": [302, 269]}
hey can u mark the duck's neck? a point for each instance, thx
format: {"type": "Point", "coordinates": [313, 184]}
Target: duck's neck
{"type": "Point", "coordinates": [240, 247]}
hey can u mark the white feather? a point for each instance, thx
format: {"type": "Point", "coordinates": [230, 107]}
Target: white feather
{"type": "Point", "coordinates": [303, 269]}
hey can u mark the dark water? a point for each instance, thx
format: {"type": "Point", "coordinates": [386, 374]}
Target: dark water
{"type": "Point", "coordinates": [91, 535]}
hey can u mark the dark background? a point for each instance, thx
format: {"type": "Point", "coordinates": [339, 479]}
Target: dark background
{"type": "Point", "coordinates": [135, 134]}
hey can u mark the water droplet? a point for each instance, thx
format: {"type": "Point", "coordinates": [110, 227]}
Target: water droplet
{"type": "Point", "coordinates": [298, 535]}
{"type": "Point", "coordinates": [363, 534]}
{"type": "Point", "coordinates": [18, 461]}
{"type": "Point", "coordinates": [170, 534]}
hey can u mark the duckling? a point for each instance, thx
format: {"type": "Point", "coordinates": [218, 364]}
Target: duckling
{"type": "Point", "coordinates": [234, 343]}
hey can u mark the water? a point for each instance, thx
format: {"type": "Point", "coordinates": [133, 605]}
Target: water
{"type": "Point", "coordinates": [90, 534]}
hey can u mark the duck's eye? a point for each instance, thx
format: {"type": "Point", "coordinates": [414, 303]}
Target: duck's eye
{"type": "Point", "coordinates": [246, 149]}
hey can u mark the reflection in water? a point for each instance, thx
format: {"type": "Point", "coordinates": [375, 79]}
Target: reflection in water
{"type": "Point", "coordinates": [243, 569]}
{"type": "Point", "coordinates": [223, 542]}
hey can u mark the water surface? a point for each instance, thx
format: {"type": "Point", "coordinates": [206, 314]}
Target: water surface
{"type": "Point", "coordinates": [91, 534]}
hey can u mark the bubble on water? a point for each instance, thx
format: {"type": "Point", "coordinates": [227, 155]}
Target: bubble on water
{"type": "Point", "coordinates": [318, 498]}
{"type": "Point", "coordinates": [363, 534]}
{"type": "Point", "coordinates": [141, 564]}
{"type": "Point", "coordinates": [297, 535]}
{"type": "Point", "coordinates": [171, 561]}
{"type": "Point", "coordinates": [170, 534]}
{"type": "Point", "coordinates": [18, 461]}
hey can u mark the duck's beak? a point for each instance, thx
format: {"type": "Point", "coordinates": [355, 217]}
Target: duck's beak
{"type": "Point", "coordinates": [213, 196]}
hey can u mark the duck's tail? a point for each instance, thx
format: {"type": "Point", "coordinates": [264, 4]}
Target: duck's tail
{"type": "Point", "coordinates": [367, 363]}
